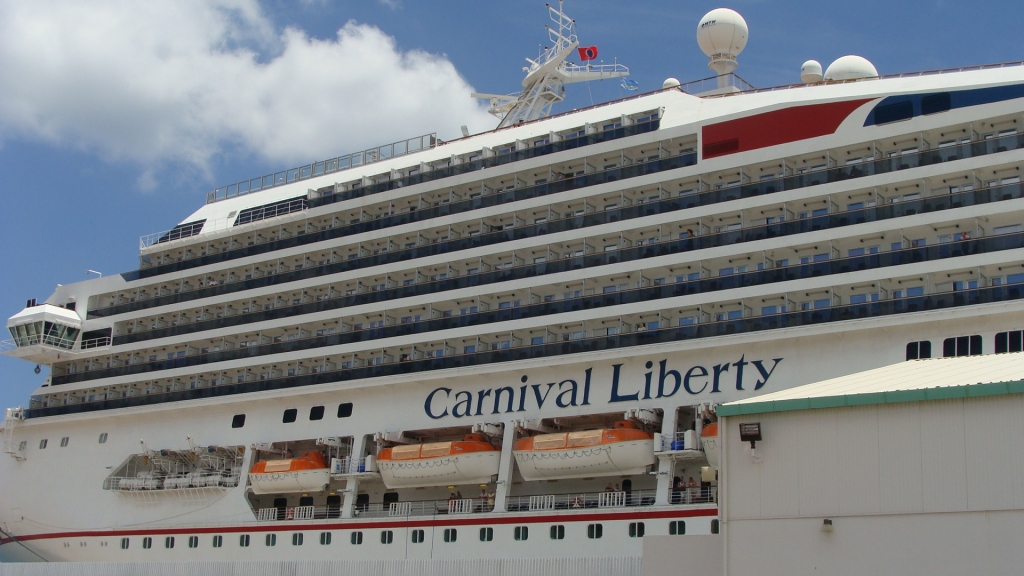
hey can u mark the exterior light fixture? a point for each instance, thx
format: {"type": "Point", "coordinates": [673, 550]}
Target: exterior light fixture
{"type": "Point", "coordinates": [750, 432]}
{"type": "Point", "coordinates": [826, 526]}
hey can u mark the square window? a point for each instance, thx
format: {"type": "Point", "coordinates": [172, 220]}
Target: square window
{"type": "Point", "coordinates": [238, 421]}
{"type": "Point", "coordinates": [316, 413]}
{"type": "Point", "coordinates": [290, 415]}
{"type": "Point", "coordinates": [917, 350]}
{"type": "Point", "coordinates": [1009, 341]}
{"type": "Point", "coordinates": [344, 410]}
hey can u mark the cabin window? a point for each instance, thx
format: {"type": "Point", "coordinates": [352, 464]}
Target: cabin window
{"type": "Point", "coordinates": [271, 540]}
{"type": "Point", "coordinates": [961, 346]}
{"type": "Point", "coordinates": [169, 542]}
{"type": "Point", "coordinates": [522, 533]}
{"type": "Point", "coordinates": [218, 541]}
{"type": "Point", "coordinates": [64, 442]}
{"type": "Point", "coordinates": [636, 529]}
{"type": "Point", "coordinates": [289, 416]}
{"type": "Point", "coordinates": [243, 541]}
{"type": "Point", "coordinates": [486, 534]}
{"type": "Point", "coordinates": [558, 532]}
{"type": "Point", "coordinates": [147, 543]}
{"type": "Point", "coordinates": [356, 538]}
{"type": "Point", "coordinates": [297, 539]}
{"type": "Point", "coordinates": [918, 350]}
{"type": "Point", "coordinates": [387, 536]}
{"type": "Point", "coordinates": [103, 438]}
{"type": "Point", "coordinates": [1009, 341]}
{"type": "Point", "coordinates": [238, 421]}
{"type": "Point", "coordinates": [344, 410]}
{"type": "Point", "coordinates": [193, 541]}
{"type": "Point", "coordinates": [124, 543]}
{"type": "Point", "coordinates": [714, 526]}
{"type": "Point", "coordinates": [305, 501]}
{"type": "Point", "coordinates": [417, 536]}
{"type": "Point", "coordinates": [325, 538]}
{"type": "Point", "coordinates": [451, 534]}
{"type": "Point", "coordinates": [677, 528]}
{"type": "Point", "coordinates": [594, 531]}
{"type": "Point", "coordinates": [43, 443]}
{"type": "Point", "coordinates": [316, 413]}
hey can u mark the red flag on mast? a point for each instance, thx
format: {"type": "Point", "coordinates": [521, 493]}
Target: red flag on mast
{"type": "Point", "coordinates": [587, 53]}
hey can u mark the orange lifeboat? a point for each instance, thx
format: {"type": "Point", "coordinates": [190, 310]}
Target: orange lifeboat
{"type": "Point", "coordinates": [621, 449]}
{"type": "Point", "coordinates": [307, 473]}
{"type": "Point", "coordinates": [709, 440]}
{"type": "Point", "coordinates": [472, 460]}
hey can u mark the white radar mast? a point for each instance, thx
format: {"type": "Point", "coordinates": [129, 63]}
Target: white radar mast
{"type": "Point", "coordinates": [546, 77]}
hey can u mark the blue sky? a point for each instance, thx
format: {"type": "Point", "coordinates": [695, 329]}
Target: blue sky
{"type": "Point", "coordinates": [120, 132]}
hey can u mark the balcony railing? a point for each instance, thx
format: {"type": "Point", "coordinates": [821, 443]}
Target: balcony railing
{"type": "Point", "coordinates": [831, 221]}
{"type": "Point", "coordinates": [795, 319]}
{"type": "Point", "coordinates": [580, 500]}
{"type": "Point", "coordinates": [852, 171]}
{"type": "Point", "coordinates": [445, 209]}
{"type": "Point", "coordinates": [378, 510]}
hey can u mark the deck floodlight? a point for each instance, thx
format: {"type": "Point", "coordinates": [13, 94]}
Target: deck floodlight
{"type": "Point", "coordinates": [750, 432]}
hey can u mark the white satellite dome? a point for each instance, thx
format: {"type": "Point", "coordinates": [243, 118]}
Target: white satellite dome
{"type": "Point", "coordinates": [810, 72]}
{"type": "Point", "coordinates": [850, 68]}
{"type": "Point", "coordinates": [670, 83]}
{"type": "Point", "coordinates": [722, 31]}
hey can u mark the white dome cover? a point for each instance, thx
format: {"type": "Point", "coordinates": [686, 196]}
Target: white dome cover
{"type": "Point", "coordinates": [722, 31]}
{"type": "Point", "coordinates": [810, 72]}
{"type": "Point", "coordinates": [850, 68]}
{"type": "Point", "coordinates": [670, 83]}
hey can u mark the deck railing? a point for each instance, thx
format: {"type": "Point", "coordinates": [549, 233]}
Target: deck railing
{"type": "Point", "coordinates": [580, 500]}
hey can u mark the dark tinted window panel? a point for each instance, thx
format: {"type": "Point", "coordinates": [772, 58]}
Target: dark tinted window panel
{"type": "Point", "coordinates": [949, 348]}
{"type": "Point", "coordinates": [935, 103]}
{"type": "Point", "coordinates": [912, 351]}
{"type": "Point", "coordinates": [185, 230]}
{"type": "Point", "coordinates": [289, 415]}
{"type": "Point", "coordinates": [316, 413]}
{"type": "Point", "coordinates": [238, 421]}
{"type": "Point", "coordinates": [271, 210]}
{"type": "Point", "coordinates": [894, 112]}
{"type": "Point", "coordinates": [975, 349]}
{"type": "Point", "coordinates": [1010, 342]}
{"type": "Point", "coordinates": [719, 148]}
{"type": "Point", "coordinates": [344, 410]}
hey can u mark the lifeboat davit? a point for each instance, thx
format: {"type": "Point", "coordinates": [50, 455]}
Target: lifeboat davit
{"type": "Point", "coordinates": [709, 440]}
{"type": "Point", "coordinates": [472, 461]}
{"type": "Point", "coordinates": [622, 449]}
{"type": "Point", "coordinates": [307, 473]}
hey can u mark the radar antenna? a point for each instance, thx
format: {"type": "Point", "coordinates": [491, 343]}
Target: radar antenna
{"type": "Point", "coordinates": [546, 77]}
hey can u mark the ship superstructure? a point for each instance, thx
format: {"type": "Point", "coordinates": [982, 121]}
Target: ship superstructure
{"type": "Point", "coordinates": [510, 345]}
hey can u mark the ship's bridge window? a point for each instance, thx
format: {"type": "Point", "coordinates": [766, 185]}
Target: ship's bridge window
{"type": "Point", "coordinates": [1010, 341]}
{"type": "Point", "coordinates": [961, 346]}
{"type": "Point", "coordinates": [917, 350]}
{"type": "Point", "coordinates": [289, 416]}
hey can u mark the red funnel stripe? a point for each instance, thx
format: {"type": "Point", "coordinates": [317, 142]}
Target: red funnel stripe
{"type": "Point", "coordinates": [775, 127]}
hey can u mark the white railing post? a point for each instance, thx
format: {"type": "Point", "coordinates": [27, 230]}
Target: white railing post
{"type": "Point", "coordinates": [400, 509]}
{"type": "Point", "coordinates": [543, 502]}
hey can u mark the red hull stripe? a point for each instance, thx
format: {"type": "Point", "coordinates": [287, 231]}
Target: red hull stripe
{"type": "Point", "coordinates": [291, 526]}
{"type": "Point", "coordinates": [775, 127]}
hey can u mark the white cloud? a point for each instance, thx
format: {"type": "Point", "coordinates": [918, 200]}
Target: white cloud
{"type": "Point", "coordinates": [393, 4]}
{"type": "Point", "coordinates": [182, 81]}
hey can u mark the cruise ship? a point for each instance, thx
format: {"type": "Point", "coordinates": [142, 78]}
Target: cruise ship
{"type": "Point", "coordinates": [511, 345]}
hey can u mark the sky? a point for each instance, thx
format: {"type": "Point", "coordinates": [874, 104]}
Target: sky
{"type": "Point", "coordinates": [117, 117]}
